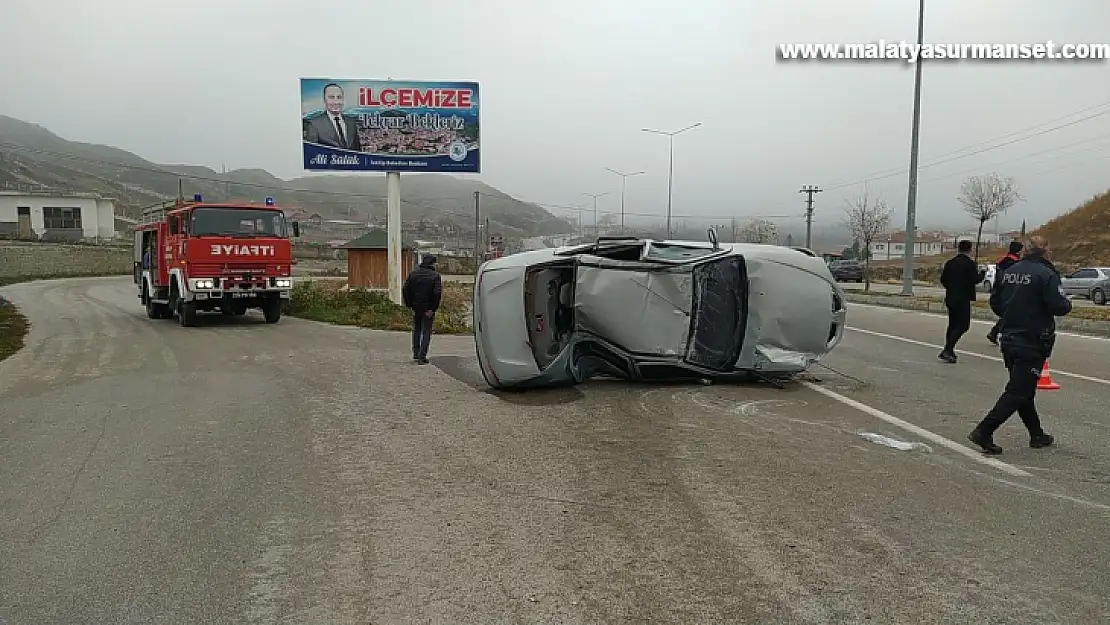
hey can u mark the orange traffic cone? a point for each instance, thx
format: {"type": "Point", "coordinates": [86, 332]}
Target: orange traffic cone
{"type": "Point", "coordinates": [1046, 383]}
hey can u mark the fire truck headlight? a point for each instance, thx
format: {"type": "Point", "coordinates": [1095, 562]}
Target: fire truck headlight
{"type": "Point", "coordinates": [283, 283]}
{"type": "Point", "coordinates": [204, 284]}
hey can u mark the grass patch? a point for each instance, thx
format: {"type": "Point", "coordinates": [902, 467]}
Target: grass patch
{"type": "Point", "coordinates": [1093, 313]}
{"type": "Point", "coordinates": [6, 280]}
{"type": "Point", "coordinates": [325, 301]}
{"type": "Point", "coordinates": [13, 329]}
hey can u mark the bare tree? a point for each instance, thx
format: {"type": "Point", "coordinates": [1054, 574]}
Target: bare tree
{"type": "Point", "coordinates": [760, 231]}
{"type": "Point", "coordinates": [986, 197]}
{"type": "Point", "coordinates": [866, 218]}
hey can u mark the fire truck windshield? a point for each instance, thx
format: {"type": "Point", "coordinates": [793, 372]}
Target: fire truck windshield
{"type": "Point", "coordinates": [244, 222]}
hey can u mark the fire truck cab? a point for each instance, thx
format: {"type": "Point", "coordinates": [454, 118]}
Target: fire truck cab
{"type": "Point", "coordinates": [197, 256]}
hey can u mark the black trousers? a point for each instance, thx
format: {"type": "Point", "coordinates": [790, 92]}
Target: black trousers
{"type": "Point", "coordinates": [421, 333]}
{"type": "Point", "coordinates": [1024, 365]}
{"type": "Point", "coordinates": [997, 327]}
{"type": "Point", "coordinates": [959, 322]}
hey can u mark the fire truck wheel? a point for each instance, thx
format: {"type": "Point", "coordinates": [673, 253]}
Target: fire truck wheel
{"type": "Point", "coordinates": [271, 309]}
{"type": "Point", "coordinates": [187, 314]}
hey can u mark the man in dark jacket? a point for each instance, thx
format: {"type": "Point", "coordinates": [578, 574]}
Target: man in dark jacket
{"type": "Point", "coordinates": [959, 278]}
{"type": "Point", "coordinates": [1004, 263]}
{"type": "Point", "coordinates": [1028, 297]}
{"type": "Point", "coordinates": [421, 292]}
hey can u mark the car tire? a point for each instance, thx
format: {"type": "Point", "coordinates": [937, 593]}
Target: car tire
{"type": "Point", "coordinates": [1098, 296]}
{"type": "Point", "coordinates": [859, 280]}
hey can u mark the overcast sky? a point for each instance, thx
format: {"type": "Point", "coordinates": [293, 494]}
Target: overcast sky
{"type": "Point", "coordinates": [567, 85]}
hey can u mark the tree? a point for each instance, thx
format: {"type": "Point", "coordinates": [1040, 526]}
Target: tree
{"type": "Point", "coordinates": [760, 231]}
{"type": "Point", "coordinates": [986, 197]}
{"type": "Point", "coordinates": [866, 218]}
{"type": "Point", "coordinates": [1022, 235]}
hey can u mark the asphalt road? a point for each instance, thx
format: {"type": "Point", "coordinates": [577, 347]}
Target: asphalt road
{"type": "Point", "coordinates": [245, 473]}
{"type": "Point", "coordinates": [931, 291]}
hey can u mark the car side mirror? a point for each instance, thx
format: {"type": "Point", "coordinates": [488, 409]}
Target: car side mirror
{"type": "Point", "coordinates": [296, 229]}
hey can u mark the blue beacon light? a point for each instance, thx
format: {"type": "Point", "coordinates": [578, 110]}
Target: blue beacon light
{"type": "Point", "coordinates": [197, 198]}
{"type": "Point", "coordinates": [269, 201]}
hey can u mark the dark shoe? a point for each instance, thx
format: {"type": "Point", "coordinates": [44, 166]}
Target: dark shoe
{"type": "Point", "coordinates": [947, 356]}
{"type": "Point", "coordinates": [984, 441]}
{"type": "Point", "coordinates": [993, 338]}
{"type": "Point", "coordinates": [422, 361]}
{"type": "Point", "coordinates": [1041, 440]}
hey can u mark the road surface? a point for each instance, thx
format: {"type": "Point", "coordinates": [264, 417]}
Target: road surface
{"type": "Point", "coordinates": [930, 291]}
{"type": "Point", "coordinates": [245, 473]}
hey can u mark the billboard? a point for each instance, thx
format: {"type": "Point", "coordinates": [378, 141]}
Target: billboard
{"type": "Point", "coordinates": [390, 125]}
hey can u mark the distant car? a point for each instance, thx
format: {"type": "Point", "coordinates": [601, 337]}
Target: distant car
{"type": "Point", "coordinates": [989, 270]}
{"type": "Point", "coordinates": [646, 310]}
{"type": "Point", "coordinates": [1092, 283]}
{"type": "Point", "coordinates": [847, 270]}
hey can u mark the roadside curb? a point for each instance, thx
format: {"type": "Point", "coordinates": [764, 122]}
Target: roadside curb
{"type": "Point", "coordinates": [1063, 324]}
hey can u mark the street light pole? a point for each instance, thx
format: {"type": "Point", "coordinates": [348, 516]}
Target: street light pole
{"type": "Point", "coordinates": [624, 182]}
{"type": "Point", "coordinates": [911, 200]}
{"type": "Point", "coordinates": [670, 175]}
{"type": "Point", "coordinates": [595, 196]}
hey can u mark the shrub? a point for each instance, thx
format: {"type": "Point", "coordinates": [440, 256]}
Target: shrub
{"type": "Point", "coordinates": [325, 300]}
{"type": "Point", "coordinates": [13, 329]}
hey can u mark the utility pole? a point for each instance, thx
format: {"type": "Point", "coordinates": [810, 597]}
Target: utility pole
{"type": "Point", "coordinates": [809, 190]}
{"type": "Point", "coordinates": [595, 196]}
{"type": "Point", "coordinates": [670, 169]}
{"type": "Point", "coordinates": [733, 229]}
{"type": "Point", "coordinates": [624, 181]}
{"type": "Point", "coordinates": [911, 201]}
{"type": "Point", "coordinates": [227, 184]}
{"type": "Point", "coordinates": [477, 227]}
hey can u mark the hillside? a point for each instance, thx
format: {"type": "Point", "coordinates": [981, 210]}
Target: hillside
{"type": "Point", "coordinates": [32, 156]}
{"type": "Point", "coordinates": [1081, 236]}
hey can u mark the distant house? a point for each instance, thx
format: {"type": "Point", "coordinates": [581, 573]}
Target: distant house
{"type": "Point", "coordinates": [56, 216]}
{"type": "Point", "coordinates": [368, 260]}
{"type": "Point", "coordinates": [893, 245]}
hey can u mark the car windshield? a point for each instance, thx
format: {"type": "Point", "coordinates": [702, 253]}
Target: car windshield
{"type": "Point", "coordinates": [211, 221]}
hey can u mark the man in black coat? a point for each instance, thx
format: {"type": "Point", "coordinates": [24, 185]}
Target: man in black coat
{"type": "Point", "coordinates": [1028, 298]}
{"type": "Point", "coordinates": [959, 278]}
{"type": "Point", "coordinates": [1012, 256]}
{"type": "Point", "coordinates": [421, 292]}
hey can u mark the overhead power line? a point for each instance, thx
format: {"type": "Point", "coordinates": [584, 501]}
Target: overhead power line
{"type": "Point", "coordinates": [962, 152]}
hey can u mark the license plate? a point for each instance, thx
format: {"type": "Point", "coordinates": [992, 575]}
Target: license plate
{"type": "Point", "coordinates": [242, 294]}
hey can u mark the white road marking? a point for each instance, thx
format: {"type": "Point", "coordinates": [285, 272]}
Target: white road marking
{"type": "Point", "coordinates": [1052, 370]}
{"type": "Point", "coordinates": [1073, 335]}
{"type": "Point", "coordinates": [922, 432]}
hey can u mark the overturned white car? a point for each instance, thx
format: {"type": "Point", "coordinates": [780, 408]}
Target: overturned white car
{"type": "Point", "coordinates": [646, 310]}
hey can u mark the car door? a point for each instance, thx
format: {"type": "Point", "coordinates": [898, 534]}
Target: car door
{"type": "Point", "coordinates": [1084, 281]}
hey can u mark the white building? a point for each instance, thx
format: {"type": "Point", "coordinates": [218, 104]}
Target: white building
{"type": "Point", "coordinates": [56, 216]}
{"type": "Point", "coordinates": [893, 245]}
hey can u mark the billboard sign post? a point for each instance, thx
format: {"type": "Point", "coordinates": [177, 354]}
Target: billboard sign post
{"type": "Point", "coordinates": [390, 126]}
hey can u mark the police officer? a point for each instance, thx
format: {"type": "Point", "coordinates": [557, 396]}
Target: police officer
{"type": "Point", "coordinates": [1027, 297]}
{"type": "Point", "coordinates": [1012, 256]}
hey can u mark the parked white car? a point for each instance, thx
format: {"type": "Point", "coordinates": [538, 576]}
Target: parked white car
{"type": "Point", "coordinates": [988, 280]}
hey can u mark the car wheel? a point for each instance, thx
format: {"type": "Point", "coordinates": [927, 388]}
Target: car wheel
{"type": "Point", "coordinates": [859, 280]}
{"type": "Point", "coordinates": [1098, 297]}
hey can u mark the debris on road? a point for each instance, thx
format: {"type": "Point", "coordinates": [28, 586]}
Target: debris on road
{"type": "Point", "coordinates": [894, 443]}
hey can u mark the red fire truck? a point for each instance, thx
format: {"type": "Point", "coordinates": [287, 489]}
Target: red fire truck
{"type": "Point", "coordinates": [197, 256]}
